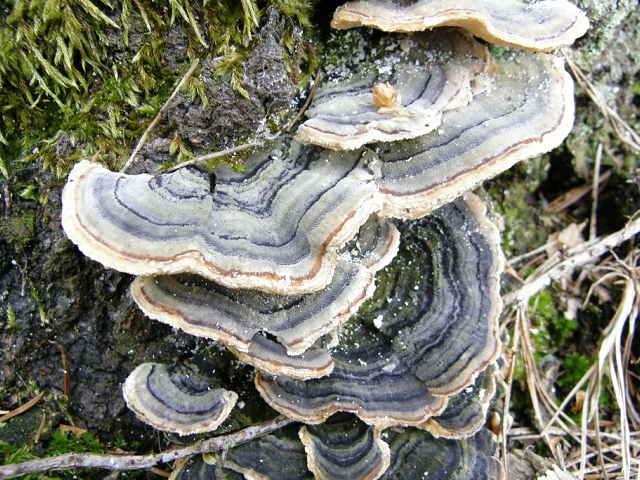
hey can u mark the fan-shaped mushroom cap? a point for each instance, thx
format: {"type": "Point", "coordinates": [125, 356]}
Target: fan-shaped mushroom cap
{"type": "Point", "coordinates": [275, 227]}
{"type": "Point", "coordinates": [416, 455]}
{"type": "Point", "coordinates": [235, 317]}
{"type": "Point", "coordinates": [528, 110]}
{"type": "Point", "coordinates": [539, 26]}
{"type": "Point", "coordinates": [176, 399]}
{"type": "Point", "coordinates": [368, 380]}
{"type": "Point", "coordinates": [430, 328]}
{"type": "Point", "coordinates": [466, 411]}
{"type": "Point", "coordinates": [345, 448]}
{"type": "Point", "coordinates": [271, 357]}
{"type": "Point", "coordinates": [422, 80]}
{"type": "Point", "coordinates": [439, 300]}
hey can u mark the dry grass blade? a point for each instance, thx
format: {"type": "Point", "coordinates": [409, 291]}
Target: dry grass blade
{"type": "Point", "coordinates": [575, 195]}
{"type": "Point", "coordinates": [534, 383]}
{"type": "Point", "coordinates": [604, 445]}
{"type": "Point", "coordinates": [575, 257]}
{"type": "Point", "coordinates": [625, 133]}
{"type": "Point", "coordinates": [507, 400]}
{"type": "Point", "coordinates": [155, 121]}
{"type": "Point", "coordinates": [610, 363]}
{"type": "Point", "coordinates": [23, 408]}
{"type": "Point", "coordinates": [594, 194]}
{"type": "Point", "coordinates": [211, 156]}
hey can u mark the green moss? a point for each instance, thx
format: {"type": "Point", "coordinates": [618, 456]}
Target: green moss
{"type": "Point", "coordinates": [12, 324]}
{"type": "Point", "coordinates": [94, 70]}
{"type": "Point", "coordinates": [499, 52]}
{"type": "Point", "coordinates": [522, 230]}
{"type": "Point", "coordinates": [18, 230]}
{"type": "Point", "coordinates": [59, 442]}
{"type": "Point", "coordinates": [515, 195]}
{"type": "Point", "coordinates": [551, 330]}
{"type": "Point", "coordinates": [574, 367]}
{"type": "Point", "coordinates": [65, 442]}
{"type": "Point", "coordinates": [14, 454]}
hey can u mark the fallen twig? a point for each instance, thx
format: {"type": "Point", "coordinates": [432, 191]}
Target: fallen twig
{"type": "Point", "coordinates": [146, 133]}
{"type": "Point", "coordinates": [23, 408]}
{"type": "Point", "coordinates": [625, 133]}
{"type": "Point", "coordinates": [576, 257]}
{"type": "Point", "coordinates": [594, 194]}
{"type": "Point", "coordinates": [210, 156]}
{"type": "Point", "coordinates": [533, 253]}
{"type": "Point", "coordinates": [138, 462]}
{"type": "Point", "coordinates": [316, 82]}
{"type": "Point", "coordinates": [65, 372]}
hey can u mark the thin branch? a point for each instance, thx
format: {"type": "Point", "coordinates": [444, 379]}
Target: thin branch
{"type": "Point", "coordinates": [507, 396]}
{"type": "Point", "coordinates": [532, 253]}
{"type": "Point", "coordinates": [594, 194]}
{"type": "Point", "coordinates": [316, 82]}
{"type": "Point", "coordinates": [576, 257]}
{"type": "Point", "coordinates": [23, 408]}
{"type": "Point", "coordinates": [145, 135]}
{"type": "Point", "coordinates": [138, 462]}
{"type": "Point", "coordinates": [211, 156]}
{"type": "Point", "coordinates": [625, 133]}
{"type": "Point", "coordinates": [574, 195]}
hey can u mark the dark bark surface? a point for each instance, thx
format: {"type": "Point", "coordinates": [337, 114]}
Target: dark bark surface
{"type": "Point", "coordinates": [60, 298]}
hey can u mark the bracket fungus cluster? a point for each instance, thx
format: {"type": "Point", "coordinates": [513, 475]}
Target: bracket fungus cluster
{"type": "Point", "coordinates": [355, 322]}
{"type": "Point", "coordinates": [428, 331]}
{"type": "Point", "coordinates": [435, 72]}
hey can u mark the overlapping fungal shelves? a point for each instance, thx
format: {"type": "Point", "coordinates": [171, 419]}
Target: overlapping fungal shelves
{"type": "Point", "coordinates": [278, 226]}
{"type": "Point", "coordinates": [526, 111]}
{"type": "Point", "coordinates": [439, 301]}
{"type": "Point", "coordinates": [369, 380]}
{"type": "Point", "coordinates": [279, 455]}
{"type": "Point", "coordinates": [402, 95]}
{"type": "Point", "coordinates": [412, 454]}
{"type": "Point", "coordinates": [239, 318]}
{"type": "Point", "coordinates": [275, 261]}
{"type": "Point", "coordinates": [466, 411]}
{"type": "Point", "coordinates": [544, 25]}
{"type": "Point", "coordinates": [416, 455]}
{"type": "Point", "coordinates": [275, 227]}
{"type": "Point", "coordinates": [429, 330]}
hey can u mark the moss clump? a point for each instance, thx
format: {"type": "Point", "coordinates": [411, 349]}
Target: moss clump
{"type": "Point", "coordinates": [18, 230]}
{"type": "Point", "coordinates": [97, 72]}
{"type": "Point", "coordinates": [574, 367]}
{"type": "Point", "coordinates": [551, 329]}
{"type": "Point", "coordinates": [523, 231]}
